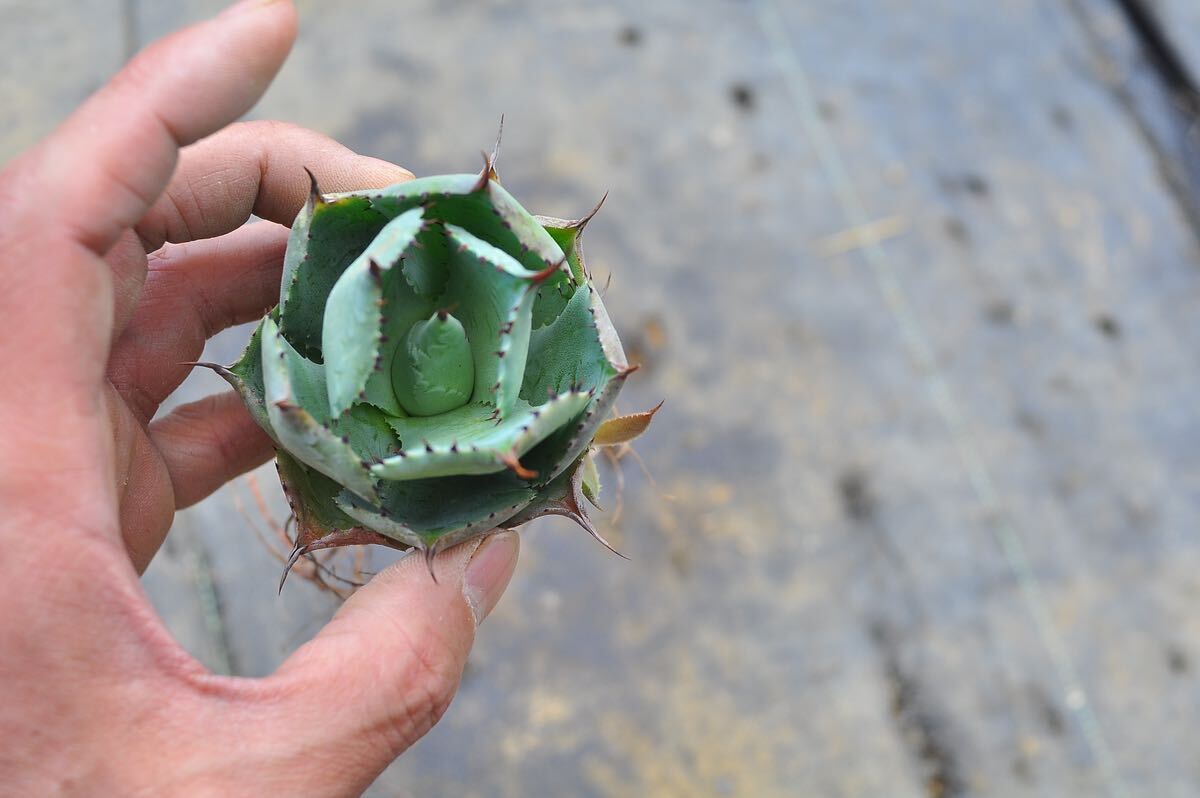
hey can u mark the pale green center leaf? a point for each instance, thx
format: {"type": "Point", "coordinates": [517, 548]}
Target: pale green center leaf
{"type": "Point", "coordinates": [433, 371]}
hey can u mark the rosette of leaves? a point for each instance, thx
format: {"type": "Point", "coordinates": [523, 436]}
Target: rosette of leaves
{"type": "Point", "coordinates": [439, 365]}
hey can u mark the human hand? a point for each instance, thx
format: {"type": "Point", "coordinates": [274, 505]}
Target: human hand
{"type": "Point", "coordinates": [95, 696]}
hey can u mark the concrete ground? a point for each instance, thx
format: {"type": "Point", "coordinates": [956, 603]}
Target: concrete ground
{"type": "Point", "coordinates": [919, 282]}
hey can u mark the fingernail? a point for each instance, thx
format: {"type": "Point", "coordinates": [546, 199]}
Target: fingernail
{"type": "Point", "coordinates": [488, 572]}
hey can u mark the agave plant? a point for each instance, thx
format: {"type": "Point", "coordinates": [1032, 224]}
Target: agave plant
{"type": "Point", "coordinates": [439, 365]}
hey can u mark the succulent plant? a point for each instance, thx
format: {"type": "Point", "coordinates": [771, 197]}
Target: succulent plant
{"type": "Point", "coordinates": [439, 366]}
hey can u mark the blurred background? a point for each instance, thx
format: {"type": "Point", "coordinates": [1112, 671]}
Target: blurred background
{"type": "Point", "coordinates": [920, 284]}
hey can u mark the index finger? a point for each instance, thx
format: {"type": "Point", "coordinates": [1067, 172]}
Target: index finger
{"type": "Point", "coordinates": [254, 168]}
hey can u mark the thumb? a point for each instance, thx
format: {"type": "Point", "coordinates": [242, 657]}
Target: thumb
{"type": "Point", "coordinates": [384, 670]}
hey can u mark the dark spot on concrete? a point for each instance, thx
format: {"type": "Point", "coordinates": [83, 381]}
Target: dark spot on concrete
{"type": "Point", "coordinates": [1028, 421]}
{"type": "Point", "coordinates": [1178, 661]}
{"type": "Point", "coordinates": [1062, 118]}
{"type": "Point", "coordinates": [1108, 326]}
{"type": "Point", "coordinates": [858, 501]}
{"type": "Point", "coordinates": [956, 230]}
{"type": "Point", "coordinates": [972, 183]}
{"type": "Point", "coordinates": [760, 162]}
{"type": "Point", "coordinates": [630, 36]}
{"type": "Point", "coordinates": [999, 312]}
{"type": "Point", "coordinates": [1062, 384]}
{"type": "Point", "coordinates": [1047, 711]}
{"type": "Point", "coordinates": [827, 109]}
{"type": "Point", "coordinates": [975, 184]}
{"type": "Point", "coordinates": [800, 333]}
{"type": "Point", "coordinates": [1021, 769]}
{"type": "Point", "coordinates": [923, 730]}
{"type": "Point", "coordinates": [1140, 515]}
{"type": "Point", "coordinates": [680, 558]}
{"type": "Point", "coordinates": [743, 97]}
{"type": "Point", "coordinates": [394, 60]}
{"type": "Point", "coordinates": [1053, 720]}
{"type": "Point", "coordinates": [1065, 486]}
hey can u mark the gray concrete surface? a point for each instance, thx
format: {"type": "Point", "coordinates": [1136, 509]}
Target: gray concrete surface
{"type": "Point", "coordinates": [921, 295]}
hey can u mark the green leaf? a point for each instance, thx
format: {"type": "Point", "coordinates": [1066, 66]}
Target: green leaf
{"type": "Point", "coordinates": [553, 294]}
{"type": "Point", "coordinates": [353, 321]}
{"type": "Point", "coordinates": [246, 377]}
{"type": "Point", "coordinates": [567, 239]}
{"type": "Point", "coordinates": [400, 197]}
{"type": "Point", "coordinates": [368, 431]}
{"type": "Point", "coordinates": [565, 445]}
{"type": "Point", "coordinates": [489, 212]}
{"type": "Point", "coordinates": [297, 406]}
{"type": "Point", "coordinates": [528, 231]}
{"type": "Point", "coordinates": [297, 244]}
{"type": "Point", "coordinates": [487, 289]}
{"type": "Point", "coordinates": [325, 239]}
{"type": "Point", "coordinates": [410, 294]}
{"type": "Point", "coordinates": [469, 441]}
{"type": "Point", "coordinates": [312, 495]}
{"type": "Point", "coordinates": [567, 353]}
{"type": "Point", "coordinates": [425, 262]}
{"type": "Point", "coordinates": [434, 372]}
{"type": "Point", "coordinates": [440, 512]}
{"type": "Point", "coordinates": [590, 479]}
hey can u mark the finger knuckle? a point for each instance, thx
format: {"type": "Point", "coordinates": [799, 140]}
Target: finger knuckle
{"type": "Point", "coordinates": [278, 130]}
